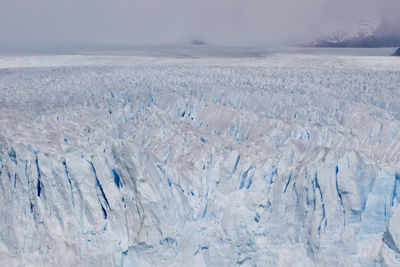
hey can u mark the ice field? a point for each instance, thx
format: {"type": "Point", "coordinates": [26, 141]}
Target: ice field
{"type": "Point", "coordinates": [201, 158]}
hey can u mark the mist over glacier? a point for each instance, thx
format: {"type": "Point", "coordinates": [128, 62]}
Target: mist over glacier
{"type": "Point", "coordinates": [45, 24]}
{"type": "Point", "coordinates": [200, 157]}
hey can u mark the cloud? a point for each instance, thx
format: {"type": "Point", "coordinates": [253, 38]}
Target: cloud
{"type": "Point", "coordinates": [221, 22]}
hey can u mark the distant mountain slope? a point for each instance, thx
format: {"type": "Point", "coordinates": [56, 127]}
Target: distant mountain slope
{"type": "Point", "coordinates": [397, 52]}
{"type": "Point", "coordinates": [366, 33]}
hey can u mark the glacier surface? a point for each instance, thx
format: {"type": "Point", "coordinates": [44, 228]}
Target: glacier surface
{"type": "Point", "coordinates": [290, 159]}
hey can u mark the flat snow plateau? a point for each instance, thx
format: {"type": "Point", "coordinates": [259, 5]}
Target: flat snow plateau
{"type": "Point", "coordinates": [189, 158]}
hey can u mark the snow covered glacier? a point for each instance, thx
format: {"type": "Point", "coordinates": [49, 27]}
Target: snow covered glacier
{"type": "Point", "coordinates": [291, 159]}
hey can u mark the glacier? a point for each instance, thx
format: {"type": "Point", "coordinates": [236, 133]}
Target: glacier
{"type": "Point", "coordinates": [287, 159]}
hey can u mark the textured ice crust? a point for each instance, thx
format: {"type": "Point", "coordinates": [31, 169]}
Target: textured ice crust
{"type": "Point", "coordinates": [289, 160]}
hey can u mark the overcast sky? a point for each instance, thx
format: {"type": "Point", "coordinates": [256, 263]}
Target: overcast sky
{"type": "Point", "coordinates": [220, 22]}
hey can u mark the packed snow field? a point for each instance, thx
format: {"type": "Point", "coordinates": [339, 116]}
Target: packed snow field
{"type": "Point", "coordinates": [289, 159]}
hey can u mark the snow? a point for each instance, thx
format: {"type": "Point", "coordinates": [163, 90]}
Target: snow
{"type": "Point", "coordinates": [359, 28]}
{"type": "Point", "coordinates": [288, 158]}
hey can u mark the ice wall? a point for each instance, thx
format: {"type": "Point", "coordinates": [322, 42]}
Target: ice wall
{"type": "Point", "coordinates": [290, 160]}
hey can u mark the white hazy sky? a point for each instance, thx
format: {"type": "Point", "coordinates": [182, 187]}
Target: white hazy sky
{"type": "Point", "coordinates": [220, 22]}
